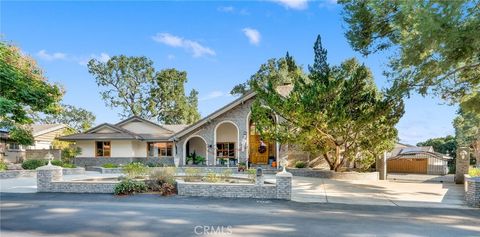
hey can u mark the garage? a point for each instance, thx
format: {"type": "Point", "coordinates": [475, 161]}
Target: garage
{"type": "Point", "coordinates": [418, 160]}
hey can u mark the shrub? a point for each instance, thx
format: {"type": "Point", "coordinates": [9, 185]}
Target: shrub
{"type": "Point", "coordinates": [135, 169]}
{"type": "Point", "coordinates": [33, 164]}
{"type": "Point", "coordinates": [56, 162]}
{"type": "Point", "coordinates": [300, 164]}
{"type": "Point", "coordinates": [252, 173]}
{"type": "Point", "coordinates": [3, 165]}
{"type": "Point", "coordinates": [212, 177]}
{"type": "Point", "coordinates": [168, 189]}
{"type": "Point", "coordinates": [164, 175]}
{"type": "Point", "coordinates": [474, 172]}
{"type": "Point", "coordinates": [226, 174]}
{"type": "Point", "coordinates": [109, 165]}
{"type": "Point", "coordinates": [199, 160]}
{"type": "Point", "coordinates": [66, 165]}
{"type": "Point", "coordinates": [191, 174]}
{"type": "Point", "coordinates": [128, 186]}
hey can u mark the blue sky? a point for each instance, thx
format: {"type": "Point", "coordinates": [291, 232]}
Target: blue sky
{"type": "Point", "coordinates": [219, 44]}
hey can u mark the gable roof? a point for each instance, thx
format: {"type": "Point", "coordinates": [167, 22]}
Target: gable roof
{"type": "Point", "coordinates": [215, 114]}
{"type": "Point", "coordinates": [137, 118]}
{"type": "Point", "coordinates": [39, 129]}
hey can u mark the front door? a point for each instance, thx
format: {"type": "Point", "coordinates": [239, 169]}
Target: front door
{"type": "Point", "coordinates": [257, 157]}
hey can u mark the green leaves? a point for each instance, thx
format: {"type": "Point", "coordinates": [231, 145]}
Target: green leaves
{"type": "Point", "coordinates": [132, 84]}
{"type": "Point", "coordinates": [435, 44]}
{"type": "Point", "coordinates": [77, 118]}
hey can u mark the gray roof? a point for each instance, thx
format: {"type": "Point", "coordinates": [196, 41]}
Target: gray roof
{"type": "Point", "coordinates": [38, 129]}
{"type": "Point", "coordinates": [175, 127]}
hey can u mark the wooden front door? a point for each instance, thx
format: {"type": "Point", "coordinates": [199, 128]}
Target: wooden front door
{"type": "Point", "coordinates": [254, 155]}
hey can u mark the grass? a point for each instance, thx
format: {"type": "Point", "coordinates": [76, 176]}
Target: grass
{"type": "Point", "coordinates": [474, 172]}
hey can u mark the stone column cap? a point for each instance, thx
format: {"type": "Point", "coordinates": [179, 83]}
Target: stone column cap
{"type": "Point", "coordinates": [49, 167]}
{"type": "Point", "coordinates": [284, 174]}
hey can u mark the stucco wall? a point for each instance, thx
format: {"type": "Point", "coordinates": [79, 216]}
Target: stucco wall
{"type": "Point", "coordinates": [120, 148]}
{"type": "Point", "coordinates": [227, 132]}
{"type": "Point", "coordinates": [198, 146]}
{"type": "Point", "coordinates": [87, 148]}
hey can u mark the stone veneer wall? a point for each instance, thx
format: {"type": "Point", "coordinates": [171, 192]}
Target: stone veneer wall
{"type": "Point", "coordinates": [49, 179]}
{"type": "Point", "coordinates": [327, 174]}
{"type": "Point", "coordinates": [281, 190]}
{"type": "Point", "coordinates": [105, 170]}
{"type": "Point", "coordinates": [72, 171]}
{"type": "Point", "coordinates": [40, 154]}
{"type": "Point", "coordinates": [472, 191]}
{"type": "Point", "coordinates": [10, 174]}
{"type": "Point", "coordinates": [205, 169]}
{"type": "Point", "coordinates": [99, 161]}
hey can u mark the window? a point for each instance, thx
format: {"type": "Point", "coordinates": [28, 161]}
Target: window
{"type": "Point", "coordinates": [159, 149]}
{"type": "Point", "coordinates": [226, 150]}
{"type": "Point", "coordinates": [103, 149]}
{"type": "Point", "coordinates": [13, 146]}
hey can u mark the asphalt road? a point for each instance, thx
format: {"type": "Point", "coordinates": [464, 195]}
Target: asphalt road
{"type": "Point", "coordinates": [145, 215]}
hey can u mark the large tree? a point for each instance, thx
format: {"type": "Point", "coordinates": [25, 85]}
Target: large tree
{"type": "Point", "coordinates": [76, 118]}
{"type": "Point", "coordinates": [467, 131]}
{"type": "Point", "coordinates": [335, 111]}
{"type": "Point", "coordinates": [435, 44]}
{"type": "Point", "coordinates": [24, 90]}
{"type": "Point", "coordinates": [132, 84]}
{"type": "Point", "coordinates": [444, 145]}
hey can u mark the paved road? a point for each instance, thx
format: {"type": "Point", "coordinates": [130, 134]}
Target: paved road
{"type": "Point", "coordinates": [32, 214]}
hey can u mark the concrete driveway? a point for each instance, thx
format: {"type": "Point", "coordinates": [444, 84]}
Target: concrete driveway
{"type": "Point", "coordinates": [405, 191]}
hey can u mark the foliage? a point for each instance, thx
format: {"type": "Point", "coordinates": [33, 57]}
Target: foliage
{"type": "Point", "coordinates": [199, 160]}
{"type": "Point", "coordinates": [444, 145]}
{"type": "Point", "coordinates": [61, 164]}
{"type": "Point", "coordinates": [252, 173]}
{"type": "Point", "coordinates": [128, 186]}
{"type": "Point", "coordinates": [474, 172]}
{"type": "Point", "coordinates": [109, 165]}
{"type": "Point", "coordinates": [132, 84]}
{"type": "Point", "coordinates": [33, 164]}
{"type": "Point", "coordinates": [467, 131]}
{"type": "Point", "coordinates": [189, 159]}
{"type": "Point", "coordinates": [164, 175]}
{"type": "Point", "coordinates": [134, 170]}
{"type": "Point", "coordinates": [435, 44]}
{"type": "Point", "coordinates": [3, 165]}
{"type": "Point", "coordinates": [191, 174]}
{"type": "Point", "coordinates": [69, 150]}
{"type": "Point", "coordinates": [77, 118]}
{"type": "Point", "coordinates": [226, 174]}
{"type": "Point", "coordinates": [212, 177]}
{"type": "Point", "coordinates": [23, 90]}
{"type": "Point", "coordinates": [300, 164]}
{"type": "Point", "coordinates": [334, 111]}
{"type": "Point", "coordinates": [67, 165]}
{"type": "Point", "coordinates": [168, 189]}
{"type": "Point", "coordinates": [56, 162]}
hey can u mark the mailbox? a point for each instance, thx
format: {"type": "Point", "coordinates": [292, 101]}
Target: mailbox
{"type": "Point", "coordinates": [259, 172]}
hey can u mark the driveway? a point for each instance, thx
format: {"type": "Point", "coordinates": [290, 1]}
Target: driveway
{"type": "Point", "coordinates": [90, 215]}
{"type": "Point", "coordinates": [399, 190]}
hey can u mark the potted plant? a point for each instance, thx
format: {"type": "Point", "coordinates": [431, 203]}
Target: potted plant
{"type": "Point", "coordinates": [189, 160]}
{"type": "Point", "coordinates": [241, 166]}
{"type": "Point", "coordinates": [200, 160]}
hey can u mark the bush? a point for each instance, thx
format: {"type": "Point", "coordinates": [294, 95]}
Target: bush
{"type": "Point", "coordinates": [212, 177]}
{"type": "Point", "coordinates": [226, 174]}
{"type": "Point", "coordinates": [191, 174]}
{"type": "Point", "coordinates": [300, 164]}
{"type": "Point", "coordinates": [128, 186]}
{"type": "Point", "coordinates": [109, 165]}
{"type": "Point", "coordinates": [66, 165]}
{"type": "Point", "coordinates": [168, 189]}
{"type": "Point", "coordinates": [3, 165]}
{"type": "Point", "coordinates": [474, 172]}
{"type": "Point", "coordinates": [56, 162]}
{"type": "Point", "coordinates": [164, 175]}
{"type": "Point", "coordinates": [135, 169]}
{"type": "Point", "coordinates": [33, 164]}
{"type": "Point", "coordinates": [252, 173]}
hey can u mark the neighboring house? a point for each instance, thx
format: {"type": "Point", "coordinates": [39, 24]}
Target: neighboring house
{"type": "Point", "coordinates": [417, 160]}
{"type": "Point", "coordinates": [43, 134]}
{"type": "Point", "coordinates": [224, 138]}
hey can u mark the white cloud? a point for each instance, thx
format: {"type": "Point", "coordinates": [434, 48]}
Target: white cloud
{"type": "Point", "coordinates": [43, 54]}
{"type": "Point", "coordinates": [103, 57]}
{"type": "Point", "coordinates": [193, 47]}
{"type": "Point", "coordinates": [214, 95]}
{"type": "Point", "coordinates": [226, 9]}
{"type": "Point", "coordinates": [293, 4]}
{"type": "Point", "coordinates": [171, 57]}
{"type": "Point", "coordinates": [253, 35]}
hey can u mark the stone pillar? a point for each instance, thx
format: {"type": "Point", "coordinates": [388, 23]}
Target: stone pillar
{"type": "Point", "coordinates": [461, 164]}
{"type": "Point", "coordinates": [284, 185]}
{"type": "Point", "coordinates": [381, 167]}
{"type": "Point", "coordinates": [45, 175]}
{"type": "Point", "coordinates": [259, 180]}
{"type": "Point", "coordinates": [472, 191]}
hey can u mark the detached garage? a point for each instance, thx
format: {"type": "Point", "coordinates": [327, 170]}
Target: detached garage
{"type": "Point", "coordinates": [418, 160]}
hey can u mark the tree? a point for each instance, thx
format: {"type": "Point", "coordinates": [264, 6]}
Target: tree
{"type": "Point", "coordinates": [444, 145]}
{"type": "Point", "coordinates": [77, 118]}
{"type": "Point", "coordinates": [435, 44]}
{"type": "Point", "coordinates": [467, 131]}
{"type": "Point", "coordinates": [23, 90]}
{"type": "Point", "coordinates": [132, 84]}
{"type": "Point", "coordinates": [335, 111]}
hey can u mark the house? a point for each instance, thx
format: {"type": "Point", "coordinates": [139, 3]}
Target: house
{"type": "Point", "coordinates": [417, 160]}
{"type": "Point", "coordinates": [224, 138]}
{"type": "Point", "coordinates": [43, 134]}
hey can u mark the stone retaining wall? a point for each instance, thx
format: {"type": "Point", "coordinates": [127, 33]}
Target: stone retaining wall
{"type": "Point", "coordinates": [206, 169]}
{"type": "Point", "coordinates": [106, 170]}
{"type": "Point", "coordinates": [50, 180]}
{"type": "Point", "coordinates": [472, 191]}
{"type": "Point", "coordinates": [72, 171]}
{"type": "Point", "coordinates": [99, 161]}
{"type": "Point", "coordinates": [327, 174]}
{"type": "Point", "coordinates": [281, 190]}
{"type": "Point", "coordinates": [10, 174]}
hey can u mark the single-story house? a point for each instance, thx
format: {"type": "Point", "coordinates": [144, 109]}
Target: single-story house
{"type": "Point", "coordinates": [417, 160]}
{"type": "Point", "coordinates": [43, 134]}
{"type": "Point", "coordinates": [223, 138]}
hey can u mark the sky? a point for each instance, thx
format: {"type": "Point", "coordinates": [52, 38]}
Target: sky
{"type": "Point", "coordinates": [219, 44]}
